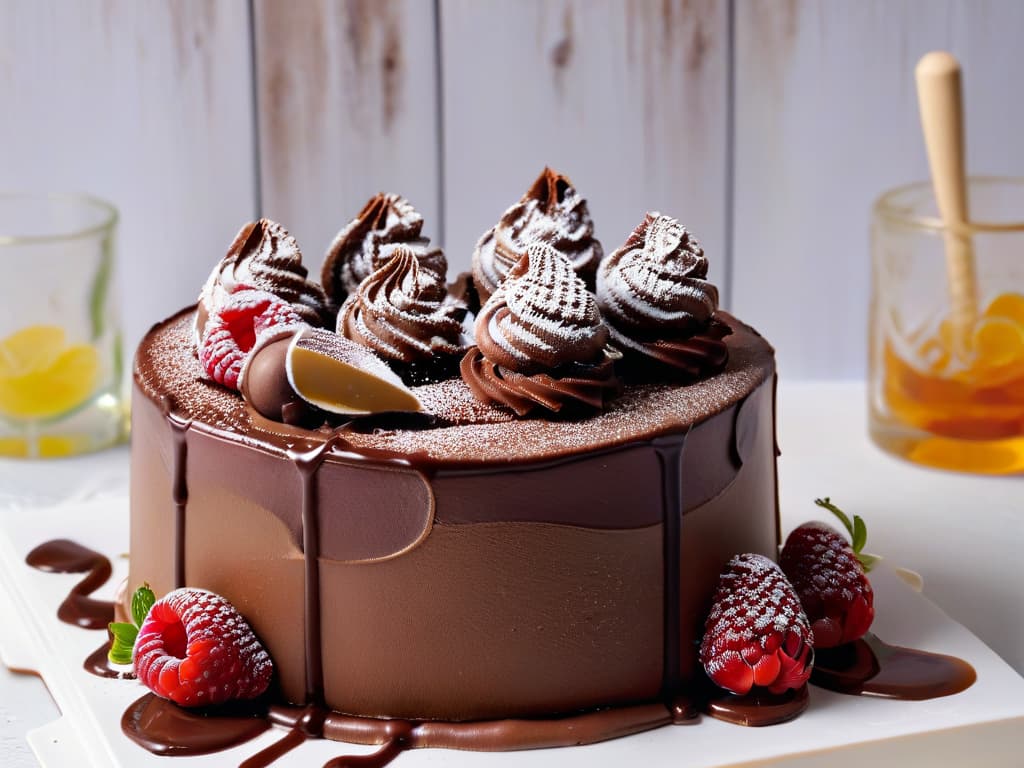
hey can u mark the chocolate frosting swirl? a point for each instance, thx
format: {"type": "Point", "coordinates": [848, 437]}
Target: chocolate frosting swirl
{"type": "Point", "coordinates": [654, 295]}
{"type": "Point", "coordinates": [551, 211]}
{"type": "Point", "coordinates": [367, 243]}
{"type": "Point", "coordinates": [402, 312]}
{"type": "Point", "coordinates": [265, 257]}
{"type": "Point", "coordinates": [540, 340]}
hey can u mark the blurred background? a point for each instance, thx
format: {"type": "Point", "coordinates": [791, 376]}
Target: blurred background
{"type": "Point", "coordinates": [767, 126]}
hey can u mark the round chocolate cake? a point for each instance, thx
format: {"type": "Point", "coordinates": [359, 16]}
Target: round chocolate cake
{"type": "Point", "coordinates": [437, 509]}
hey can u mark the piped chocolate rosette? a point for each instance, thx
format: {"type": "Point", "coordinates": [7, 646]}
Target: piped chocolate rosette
{"type": "Point", "coordinates": [552, 212]}
{"type": "Point", "coordinates": [402, 313]}
{"type": "Point", "coordinates": [264, 257]}
{"type": "Point", "coordinates": [540, 340]}
{"type": "Point", "coordinates": [659, 306]}
{"type": "Point", "coordinates": [367, 243]}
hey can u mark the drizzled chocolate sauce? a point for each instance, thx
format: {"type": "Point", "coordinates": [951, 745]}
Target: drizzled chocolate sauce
{"type": "Point", "coordinates": [388, 752]}
{"type": "Point", "coordinates": [872, 667]}
{"type": "Point", "coordinates": [307, 463]}
{"type": "Point", "coordinates": [63, 556]}
{"type": "Point", "coordinates": [179, 486]}
{"type": "Point", "coordinates": [670, 453]}
{"type": "Point", "coordinates": [164, 728]}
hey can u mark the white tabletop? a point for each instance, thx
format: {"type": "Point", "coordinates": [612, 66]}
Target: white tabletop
{"type": "Point", "coordinates": [964, 534]}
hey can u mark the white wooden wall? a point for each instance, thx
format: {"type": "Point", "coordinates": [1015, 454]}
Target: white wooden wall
{"type": "Point", "coordinates": [767, 126]}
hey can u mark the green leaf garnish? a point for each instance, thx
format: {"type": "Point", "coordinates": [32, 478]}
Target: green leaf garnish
{"type": "Point", "coordinates": [857, 529]}
{"type": "Point", "coordinates": [860, 533]}
{"type": "Point", "coordinates": [142, 601]}
{"type": "Point", "coordinates": [124, 641]}
{"type": "Point", "coordinates": [124, 633]}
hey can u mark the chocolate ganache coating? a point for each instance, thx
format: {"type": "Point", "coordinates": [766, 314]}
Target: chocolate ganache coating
{"type": "Point", "coordinates": [264, 256]}
{"type": "Point", "coordinates": [655, 298]}
{"type": "Point", "coordinates": [540, 340]}
{"type": "Point", "coordinates": [551, 211]}
{"type": "Point", "coordinates": [401, 312]}
{"type": "Point", "coordinates": [367, 243]}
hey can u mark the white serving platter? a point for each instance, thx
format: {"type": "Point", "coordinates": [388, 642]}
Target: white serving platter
{"type": "Point", "coordinates": [982, 726]}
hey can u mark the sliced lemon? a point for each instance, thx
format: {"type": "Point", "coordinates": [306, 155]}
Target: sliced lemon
{"type": "Point", "coordinates": [1009, 306]}
{"type": "Point", "coordinates": [40, 377]}
{"type": "Point", "coordinates": [998, 342]}
{"type": "Point", "coordinates": [31, 349]}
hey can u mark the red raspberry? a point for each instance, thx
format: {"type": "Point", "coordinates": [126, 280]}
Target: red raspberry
{"type": "Point", "coordinates": [195, 649]}
{"type": "Point", "coordinates": [231, 332]}
{"type": "Point", "coordinates": [830, 580]}
{"type": "Point", "coordinates": [756, 633]}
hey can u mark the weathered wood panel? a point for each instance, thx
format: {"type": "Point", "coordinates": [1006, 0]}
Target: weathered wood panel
{"type": "Point", "coordinates": [347, 106]}
{"type": "Point", "coordinates": [626, 98]}
{"type": "Point", "coordinates": [146, 104]}
{"type": "Point", "coordinates": [826, 118]}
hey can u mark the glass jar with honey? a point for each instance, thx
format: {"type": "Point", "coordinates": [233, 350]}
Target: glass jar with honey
{"type": "Point", "coordinates": [946, 390]}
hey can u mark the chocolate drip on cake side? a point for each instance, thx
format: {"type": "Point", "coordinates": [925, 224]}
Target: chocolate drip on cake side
{"type": "Point", "coordinates": [307, 463]}
{"type": "Point", "coordinates": [179, 484]}
{"type": "Point", "coordinates": [670, 457]}
{"type": "Point", "coordinates": [78, 608]}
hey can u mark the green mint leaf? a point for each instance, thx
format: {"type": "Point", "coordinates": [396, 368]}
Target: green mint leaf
{"type": "Point", "coordinates": [142, 601]}
{"type": "Point", "coordinates": [826, 503]}
{"type": "Point", "coordinates": [860, 533]}
{"type": "Point", "coordinates": [124, 640]}
{"type": "Point", "coordinates": [867, 562]}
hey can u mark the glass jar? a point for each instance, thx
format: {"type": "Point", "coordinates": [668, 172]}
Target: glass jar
{"type": "Point", "coordinates": [946, 389]}
{"type": "Point", "coordinates": [61, 361]}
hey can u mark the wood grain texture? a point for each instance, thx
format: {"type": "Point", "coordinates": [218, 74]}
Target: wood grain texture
{"type": "Point", "coordinates": [626, 98]}
{"type": "Point", "coordinates": [148, 105]}
{"type": "Point", "coordinates": [347, 104]}
{"type": "Point", "coordinates": [826, 119]}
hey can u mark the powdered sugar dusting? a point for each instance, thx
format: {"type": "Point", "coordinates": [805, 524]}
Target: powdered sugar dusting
{"type": "Point", "coordinates": [756, 615]}
{"type": "Point", "coordinates": [542, 317]}
{"type": "Point", "coordinates": [364, 245]}
{"type": "Point", "coordinates": [468, 432]}
{"type": "Point", "coordinates": [552, 212]}
{"type": "Point", "coordinates": [655, 283]}
{"type": "Point", "coordinates": [265, 256]}
{"type": "Point", "coordinates": [401, 312]}
{"type": "Point", "coordinates": [220, 645]}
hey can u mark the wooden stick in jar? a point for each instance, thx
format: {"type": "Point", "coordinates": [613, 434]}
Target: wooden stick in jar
{"type": "Point", "coordinates": [942, 118]}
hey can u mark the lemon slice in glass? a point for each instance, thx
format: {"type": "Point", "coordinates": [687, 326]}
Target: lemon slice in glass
{"type": "Point", "coordinates": [42, 377]}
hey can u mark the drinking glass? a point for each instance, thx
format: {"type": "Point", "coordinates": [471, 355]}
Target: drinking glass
{"type": "Point", "coordinates": [61, 364]}
{"type": "Point", "coordinates": [943, 390]}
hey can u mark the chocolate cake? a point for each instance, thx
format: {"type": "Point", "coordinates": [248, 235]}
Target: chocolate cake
{"type": "Point", "coordinates": [526, 553]}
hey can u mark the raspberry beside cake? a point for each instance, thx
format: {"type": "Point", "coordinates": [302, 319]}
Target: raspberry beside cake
{"type": "Point", "coordinates": [539, 537]}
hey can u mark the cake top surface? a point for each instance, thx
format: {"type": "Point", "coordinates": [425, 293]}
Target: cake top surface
{"type": "Point", "coordinates": [464, 431]}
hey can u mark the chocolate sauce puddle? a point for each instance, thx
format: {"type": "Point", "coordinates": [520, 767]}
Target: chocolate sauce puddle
{"type": "Point", "coordinates": [164, 728]}
{"type": "Point", "coordinates": [64, 556]}
{"type": "Point", "coordinates": [872, 667]}
{"type": "Point", "coordinates": [757, 708]}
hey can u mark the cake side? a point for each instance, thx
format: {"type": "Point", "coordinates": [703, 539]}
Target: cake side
{"type": "Point", "coordinates": [544, 584]}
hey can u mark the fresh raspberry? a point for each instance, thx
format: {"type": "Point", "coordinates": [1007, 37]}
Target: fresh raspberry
{"type": "Point", "coordinates": [231, 332]}
{"type": "Point", "coordinates": [195, 649]}
{"type": "Point", "coordinates": [831, 583]}
{"type": "Point", "coordinates": [756, 633]}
